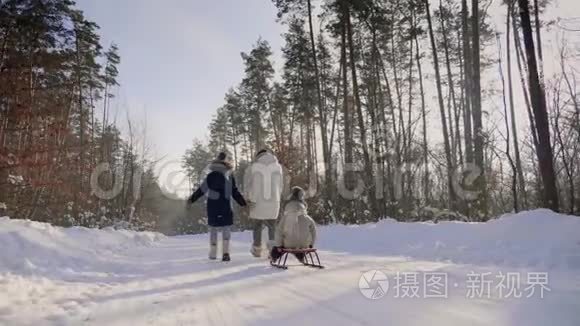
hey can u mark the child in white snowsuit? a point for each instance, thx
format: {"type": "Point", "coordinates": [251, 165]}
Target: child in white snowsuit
{"type": "Point", "coordinates": [295, 230]}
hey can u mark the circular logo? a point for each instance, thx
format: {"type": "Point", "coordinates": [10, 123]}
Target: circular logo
{"type": "Point", "coordinates": [373, 284]}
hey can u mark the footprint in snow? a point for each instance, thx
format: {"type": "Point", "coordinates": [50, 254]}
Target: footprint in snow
{"type": "Point", "coordinates": [254, 306]}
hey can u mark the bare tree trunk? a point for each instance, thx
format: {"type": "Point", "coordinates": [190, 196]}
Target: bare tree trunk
{"type": "Point", "coordinates": [336, 106]}
{"type": "Point", "coordinates": [383, 118]}
{"type": "Point", "coordinates": [376, 111]}
{"type": "Point", "coordinates": [519, 58]}
{"type": "Point", "coordinates": [401, 134]}
{"type": "Point", "coordinates": [103, 132]}
{"type": "Point", "coordinates": [321, 107]}
{"type": "Point", "coordinates": [456, 143]}
{"type": "Point", "coordinates": [539, 41]}
{"type": "Point", "coordinates": [461, 115]}
{"type": "Point", "coordinates": [309, 150]}
{"type": "Point", "coordinates": [380, 150]}
{"type": "Point", "coordinates": [81, 165]}
{"type": "Point", "coordinates": [544, 150]}
{"type": "Point", "coordinates": [520, 173]}
{"type": "Point", "coordinates": [480, 182]}
{"type": "Point", "coordinates": [426, 182]}
{"type": "Point", "coordinates": [348, 159]}
{"type": "Point", "coordinates": [410, 102]}
{"type": "Point", "coordinates": [466, 45]}
{"type": "Point", "coordinates": [565, 161]}
{"type": "Point", "coordinates": [514, 185]}
{"type": "Point", "coordinates": [358, 105]}
{"type": "Point", "coordinates": [391, 112]}
{"type": "Point", "coordinates": [450, 168]}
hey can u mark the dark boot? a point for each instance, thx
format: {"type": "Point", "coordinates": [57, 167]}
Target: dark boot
{"type": "Point", "coordinates": [275, 254]}
{"type": "Point", "coordinates": [226, 257]}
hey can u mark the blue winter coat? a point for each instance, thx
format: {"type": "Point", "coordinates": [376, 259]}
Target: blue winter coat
{"type": "Point", "coordinates": [219, 186]}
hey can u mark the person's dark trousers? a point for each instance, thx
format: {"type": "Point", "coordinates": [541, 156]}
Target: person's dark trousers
{"type": "Point", "coordinates": [258, 226]}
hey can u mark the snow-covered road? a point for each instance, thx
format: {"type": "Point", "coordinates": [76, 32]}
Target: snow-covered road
{"type": "Point", "coordinates": [169, 281]}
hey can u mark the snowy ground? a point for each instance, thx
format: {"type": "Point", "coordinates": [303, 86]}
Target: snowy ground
{"type": "Point", "coordinates": [53, 276]}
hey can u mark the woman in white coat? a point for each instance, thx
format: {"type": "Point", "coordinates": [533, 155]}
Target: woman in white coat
{"type": "Point", "coordinates": [263, 184]}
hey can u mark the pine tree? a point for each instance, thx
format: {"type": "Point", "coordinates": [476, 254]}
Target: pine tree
{"type": "Point", "coordinates": [255, 90]}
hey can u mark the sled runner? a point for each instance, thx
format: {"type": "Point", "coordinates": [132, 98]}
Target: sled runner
{"type": "Point", "coordinates": [308, 259]}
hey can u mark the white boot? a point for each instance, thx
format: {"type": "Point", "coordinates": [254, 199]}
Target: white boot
{"type": "Point", "coordinates": [212, 252]}
{"type": "Point", "coordinates": [226, 250]}
{"type": "Point", "coordinates": [270, 244]}
{"type": "Point", "coordinates": [256, 251]}
{"type": "Point", "coordinates": [226, 246]}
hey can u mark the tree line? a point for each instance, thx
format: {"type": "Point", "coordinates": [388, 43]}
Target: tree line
{"type": "Point", "coordinates": [63, 159]}
{"type": "Point", "coordinates": [436, 110]}
{"type": "Point", "coordinates": [411, 109]}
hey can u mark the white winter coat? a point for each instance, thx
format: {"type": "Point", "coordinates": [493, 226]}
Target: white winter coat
{"type": "Point", "coordinates": [295, 229]}
{"type": "Point", "coordinates": [263, 184]}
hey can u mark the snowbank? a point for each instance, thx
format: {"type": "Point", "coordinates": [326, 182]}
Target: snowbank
{"type": "Point", "coordinates": [78, 276]}
{"type": "Point", "coordinates": [33, 248]}
{"type": "Point", "coordinates": [540, 239]}
{"type": "Point", "coordinates": [537, 239]}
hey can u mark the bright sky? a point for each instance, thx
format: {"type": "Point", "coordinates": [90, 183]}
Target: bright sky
{"type": "Point", "coordinates": [179, 57]}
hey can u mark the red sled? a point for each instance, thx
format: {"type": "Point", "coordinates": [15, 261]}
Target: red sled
{"type": "Point", "coordinates": [309, 255]}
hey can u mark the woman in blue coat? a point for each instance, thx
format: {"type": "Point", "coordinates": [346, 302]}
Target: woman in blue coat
{"type": "Point", "coordinates": [219, 187]}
